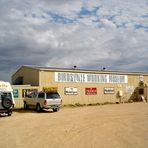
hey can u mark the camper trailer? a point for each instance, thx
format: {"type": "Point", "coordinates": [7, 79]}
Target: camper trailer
{"type": "Point", "coordinates": [6, 98]}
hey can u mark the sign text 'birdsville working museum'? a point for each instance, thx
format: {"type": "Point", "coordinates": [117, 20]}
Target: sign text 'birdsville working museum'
{"type": "Point", "coordinates": [90, 78]}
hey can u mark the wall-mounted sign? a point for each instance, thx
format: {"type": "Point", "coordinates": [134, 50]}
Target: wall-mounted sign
{"type": "Point", "coordinates": [71, 90]}
{"type": "Point", "coordinates": [90, 78]}
{"type": "Point", "coordinates": [141, 78]}
{"type": "Point", "coordinates": [129, 89]}
{"type": "Point", "coordinates": [15, 93]}
{"type": "Point", "coordinates": [91, 91]}
{"type": "Point", "coordinates": [50, 89]}
{"type": "Point", "coordinates": [109, 90]}
{"type": "Point", "coordinates": [28, 92]}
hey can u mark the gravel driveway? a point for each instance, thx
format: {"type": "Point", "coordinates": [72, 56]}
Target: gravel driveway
{"type": "Point", "coordinates": [105, 126]}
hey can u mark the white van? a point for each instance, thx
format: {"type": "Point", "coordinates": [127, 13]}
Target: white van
{"type": "Point", "coordinates": [6, 98]}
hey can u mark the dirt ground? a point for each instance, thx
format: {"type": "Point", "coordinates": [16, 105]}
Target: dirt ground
{"type": "Point", "coordinates": [106, 126]}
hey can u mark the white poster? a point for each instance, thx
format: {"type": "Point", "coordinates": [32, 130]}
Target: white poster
{"type": "Point", "coordinates": [129, 89]}
{"type": "Point", "coordinates": [141, 78]}
{"type": "Point", "coordinates": [71, 91]}
{"type": "Point", "coordinates": [109, 90]}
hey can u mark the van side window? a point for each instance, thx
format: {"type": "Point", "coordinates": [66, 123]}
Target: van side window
{"type": "Point", "coordinates": [41, 95]}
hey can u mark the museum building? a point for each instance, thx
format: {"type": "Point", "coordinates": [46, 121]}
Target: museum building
{"type": "Point", "coordinates": [81, 86]}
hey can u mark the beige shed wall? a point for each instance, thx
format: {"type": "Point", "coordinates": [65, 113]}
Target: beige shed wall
{"type": "Point", "coordinates": [47, 78]}
{"type": "Point", "coordinates": [30, 76]}
{"type": "Point", "coordinates": [19, 99]}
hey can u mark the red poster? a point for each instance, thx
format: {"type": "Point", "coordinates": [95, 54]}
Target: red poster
{"type": "Point", "coordinates": [90, 91]}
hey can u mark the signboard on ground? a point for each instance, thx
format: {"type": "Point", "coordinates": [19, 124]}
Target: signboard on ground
{"type": "Point", "coordinates": [109, 90]}
{"type": "Point", "coordinates": [71, 90]}
{"type": "Point", "coordinates": [91, 91]}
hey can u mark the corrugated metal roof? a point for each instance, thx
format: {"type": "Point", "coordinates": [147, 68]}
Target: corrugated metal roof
{"type": "Point", "coordinates": [83, 70]}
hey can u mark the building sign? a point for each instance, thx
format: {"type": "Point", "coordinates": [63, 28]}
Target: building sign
{"type": "Point", "coordinates": [90, 91]}
{"type": "Point", "coordinates": [15, 93]}
{"type": "Point", "coordinates": [28, 92]}
{"type": "Point", "coordinates": [71, 90]}
{"type": "Point", "coordinates": [109, 90]}
{"type": "Point", "coordinates": [129, 89]}
{"type": "Point", "coordinates": [50, 89]}
{"type": "Point", "coordinates": [141, 78]}
{"type": "Point", "coordinates": [90, 78]}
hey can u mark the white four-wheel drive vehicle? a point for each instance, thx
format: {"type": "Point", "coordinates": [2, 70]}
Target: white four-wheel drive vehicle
{"type": "Point", "coordinates": [6, 98]}
{"type": "Point", "coordinates": [43, 100]}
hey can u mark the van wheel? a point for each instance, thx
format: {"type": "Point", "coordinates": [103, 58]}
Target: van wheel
{"type": "Point", "coordinates": [38, 108]}
{"type": "Point", "coordinates": [55, 109]}
{"type": "Point", "coordinates": [25, 105]}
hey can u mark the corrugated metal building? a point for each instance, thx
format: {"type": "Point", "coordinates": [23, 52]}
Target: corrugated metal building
{"type": "Point", "coordinates": [80, 85]}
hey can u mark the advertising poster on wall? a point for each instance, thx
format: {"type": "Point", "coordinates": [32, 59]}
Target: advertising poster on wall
{"type": "Point", "coordinates": [15, 93]}
{"type": "Point", "coordinates": [109, 90]}
{"type": "Point", "coordinates": [141, 78]}
{"type": "Point", "coordinates": [129, 89]}
{"type": "Point", "coordinates": [91, 91]}
{"type": "Point", "coordinates": [28, 92]}
{"type": "Point", "coordinates": [50, 89]}
{"type": "Point", "coordinates": [71, 90]}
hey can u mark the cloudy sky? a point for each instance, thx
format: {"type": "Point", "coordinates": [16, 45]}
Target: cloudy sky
{"type": "Point", "coordinates": [61, 33]}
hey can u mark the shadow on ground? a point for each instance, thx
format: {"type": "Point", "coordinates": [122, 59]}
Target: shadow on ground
{"type": "Point", "coordinates": [31, 111]}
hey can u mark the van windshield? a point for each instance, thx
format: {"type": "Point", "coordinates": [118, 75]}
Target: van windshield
{"type": "Point", "coordinates": [52, 96]}
{"type": "Point", "coordinates": [5, 95]}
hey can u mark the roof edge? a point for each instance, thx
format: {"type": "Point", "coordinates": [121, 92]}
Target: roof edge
{"type": "Point", "coordinates": [79, 70]}
{"type": "Point", "coordinates": [20, 67]}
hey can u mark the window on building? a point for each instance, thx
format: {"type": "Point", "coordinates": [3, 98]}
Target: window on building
{"type": "Point", "coordinates": [18, 81]}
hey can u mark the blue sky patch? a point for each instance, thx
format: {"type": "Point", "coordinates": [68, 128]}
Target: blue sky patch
{"type": "Point", "coordinates": [140, 26]}
{"type": "Point", "coordinates": [86, 12]}
{"type": "Point", "coordinates": [145, 16]}
{"type": "Point", "coordinates": [57, 18]}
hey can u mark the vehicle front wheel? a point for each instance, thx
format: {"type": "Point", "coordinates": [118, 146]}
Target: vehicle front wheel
{"type": "Point", "coordinates": [38, 108]}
